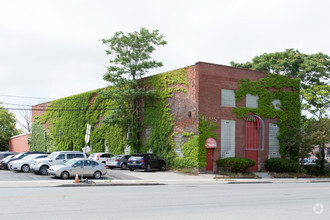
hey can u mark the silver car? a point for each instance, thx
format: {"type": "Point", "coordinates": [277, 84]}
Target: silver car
{"type": "Point", "coordinates": [119, 161]}
{"type": "Point", "coordinates": [73, 166]}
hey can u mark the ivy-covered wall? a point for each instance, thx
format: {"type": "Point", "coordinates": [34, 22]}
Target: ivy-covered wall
{"type": "Point", "coordinates": [67, 118]}
{"type": "Point", "coordinates": [269, 88]}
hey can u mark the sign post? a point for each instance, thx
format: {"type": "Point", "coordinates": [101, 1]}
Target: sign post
{"type": "Point", "coordinates": [87, 136]}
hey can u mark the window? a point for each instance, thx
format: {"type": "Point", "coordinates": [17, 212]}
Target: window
{"type": "Point", "coordinates": [70, 156]}
{"type": "Point", "coordinates": [251, 101]}
{"type": "Point", "coordinates": [328, 152]}
{"type": "Point", "coordinates": [79, 163]}
{"type": "Point", "coordinates": [88, 163]}
{"type": "Point", "coordinates": [277, 104]}
{"type": "Point", "coordinates": [274, 145]}
{"type": "Point", "coordinates": [227, 138]}
{"type": "Point", "coordinates": [79, 156]}
{"type": "Point", "coordinates": [60, 157]}
{"type": "Point", "coordinates": [227, 98]}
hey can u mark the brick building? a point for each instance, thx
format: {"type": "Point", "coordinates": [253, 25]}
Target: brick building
{"type": "Point", "coordinates": [19, 143]}
{"type": "Point", "coordinates": [211, 92]}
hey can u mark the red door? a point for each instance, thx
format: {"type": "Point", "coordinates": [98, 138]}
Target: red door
{"type": "Point", "coordinates": [209, 159]}
{"type": "Point", "coordinates": [252, 143]}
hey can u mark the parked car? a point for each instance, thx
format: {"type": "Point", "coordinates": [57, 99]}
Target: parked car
{"type": "Point", "coordinates": [119, 161]}
{"type": "Point", "coordinates": [73, 166]}
{"type": "Point", "coordinates": [20, 156]}
{"type": "Point", "coordinates": [100, 157]}
{"type": "Point", "coordinates": [6, 154]}
{"type": "Point", "coordinates": [5, 160]}
{"type": "Point", "coordinates": [58, 157]}
{"type": "Point", "coordinates": [24, 164]}
{"type": "Point", "coordinates": [146, 161]}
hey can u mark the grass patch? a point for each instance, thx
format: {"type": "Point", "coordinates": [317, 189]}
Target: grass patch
{"type": "Point", "coordinates": [189, 171]}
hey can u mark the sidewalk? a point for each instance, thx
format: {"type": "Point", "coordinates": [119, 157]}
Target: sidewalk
{"type": "Point", "coordinates": [159, 178]}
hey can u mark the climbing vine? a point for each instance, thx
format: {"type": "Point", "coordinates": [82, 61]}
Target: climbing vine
{"type": "Point", "coordinates": [157, 113]}
{"type": "Point", "coordinates": [66, 121]}
{"type": "Point", "coordinates": [269, 88]}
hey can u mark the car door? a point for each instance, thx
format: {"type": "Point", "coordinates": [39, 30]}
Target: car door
{"type": "Point", "coordinates": [88, 168]}
{"type": "Point", "coordinates": [153, 161]}
{"type": "Point", "coordinates": [76, 168]}
{"type": "Point", "coordinates": [60, 159]}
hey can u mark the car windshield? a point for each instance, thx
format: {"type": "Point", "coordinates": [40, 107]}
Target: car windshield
{"type": "Point", "coordinates": [71, 162]}
{"type": "Point", "coordinates": [52, 156]}
{"type": "Point", "coordinates": [18, 155]}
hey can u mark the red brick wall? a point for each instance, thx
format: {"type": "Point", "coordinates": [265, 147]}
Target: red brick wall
{"type": "Point", "coordinates": [213, 78]}
{"type": "Point", "coordinates": [19, 143]}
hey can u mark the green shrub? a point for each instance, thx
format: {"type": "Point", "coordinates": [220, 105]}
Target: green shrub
{"type": "Point", "coordinates": [282, 165]}
{"type": "Point", "coordinates": [237, 164]}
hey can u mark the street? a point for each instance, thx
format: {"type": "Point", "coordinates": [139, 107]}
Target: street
{"type": "Point", "coordinates": [201, 201]}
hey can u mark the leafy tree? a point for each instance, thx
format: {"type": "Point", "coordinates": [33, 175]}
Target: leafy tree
{"type": "Point", "coordinates": [319, 136]}
{"type": "Point", "coordinates": [7, 128]}
{"type": "Point", "coordinates": [130, 61]}
{"type": "Point", "coordinates": [312, 69]}
{"type": "Point", "coordinates": [37, 139]}
{"type": "Point", "coordinates": [317, 100]}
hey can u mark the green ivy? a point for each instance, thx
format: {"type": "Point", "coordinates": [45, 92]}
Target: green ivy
{"type": "Point", "coordinates": [157, 116]}
{"type": "Point", "coordinates": [190, 151]}
{"type": "Point", "coordinates": [206, 129]}
{"type": "Point", "coordinates": [286, 89]}
{"type": "Point", "coordinates": [67, 119]}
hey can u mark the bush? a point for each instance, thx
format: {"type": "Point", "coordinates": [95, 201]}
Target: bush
{"type": "Point", "coordinates": [237, 164]}
{"type": "Point", "coordinates": [281, 165]}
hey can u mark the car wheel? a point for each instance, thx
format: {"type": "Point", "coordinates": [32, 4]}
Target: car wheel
{"type": "Point", "coordinates": [25, 168]}
{"type": "Point", "coordinates": [65, 175]}
{"type": "Point", "coordinates": [148, 168]}
{"type": "Point", "coordinates": [123, 166]}
{"type": "Point", "coordinates": [43, 170]}
{"type": "Point", "coordinates": [131, 169]}
{"type": "Point", "coordinates": [163, 167]}
{"type": "Point", "coordinates": [97, 175]}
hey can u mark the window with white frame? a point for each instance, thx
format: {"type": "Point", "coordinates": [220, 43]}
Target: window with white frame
{"type": "Point", "coordinates": [227, 98]}
{"type": "Point", "coordinates": [277, 104]}
{"type": "Point", "coordinates": [251, 101]}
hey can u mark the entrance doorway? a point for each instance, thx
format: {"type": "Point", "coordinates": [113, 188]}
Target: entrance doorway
{"type": "Point", "coordinates": [209, 159]}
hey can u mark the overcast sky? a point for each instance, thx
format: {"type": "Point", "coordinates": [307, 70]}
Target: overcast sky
{"type": "Point", "coordinates": [52, 49]}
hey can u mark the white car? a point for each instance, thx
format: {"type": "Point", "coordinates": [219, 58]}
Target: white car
{"type": "Point", "coordinates": [24, 164]}
{"type": "Point", "coordinates": [101, 157]}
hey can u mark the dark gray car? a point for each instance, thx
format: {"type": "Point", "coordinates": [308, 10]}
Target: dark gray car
{"type": "Point", "coordinates": [119, 161]}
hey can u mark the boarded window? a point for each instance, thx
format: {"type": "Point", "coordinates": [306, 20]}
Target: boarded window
{"type": "Point", "coordinates": [227, 98]}
{"type": "Point", "coordinates": [274, 145]}
{"type": "Point", "coordinates": [251, 101]}
{"type": "Point", "coordinates": [227, 138]}
{"type": "Point", "coordinates": [277, 104]}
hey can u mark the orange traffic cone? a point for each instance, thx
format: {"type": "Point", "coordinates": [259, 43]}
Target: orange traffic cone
{"type": "Point", "coordinates": [76, 180]}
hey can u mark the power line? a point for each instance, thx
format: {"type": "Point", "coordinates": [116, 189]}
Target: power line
{"type": "Point", "coordinates": [25, 97]}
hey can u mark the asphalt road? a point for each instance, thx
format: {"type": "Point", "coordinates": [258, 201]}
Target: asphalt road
{"type": "Point", "coordinates": [203, 201]}
{"type": "Point", "coordinates": [7, 175]}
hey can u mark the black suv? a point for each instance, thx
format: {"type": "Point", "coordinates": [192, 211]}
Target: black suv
{"type": "Point", "coordinates": [146, 162]}
{"type": "Point", "coordinates": [20, 156]}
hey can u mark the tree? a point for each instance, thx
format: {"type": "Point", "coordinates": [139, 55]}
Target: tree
{"type": "Point", "coordinates": [26, 119]}
{"type": "Point", "coordinates": [130, 61]}
{"type": "Point", "coordinates": [7, 128]}
{"type": "Point", "coordinates": [312, 69]}
{"type": "Point", "coordinates": [317, 100]}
